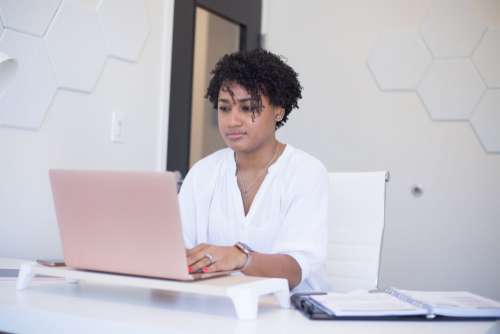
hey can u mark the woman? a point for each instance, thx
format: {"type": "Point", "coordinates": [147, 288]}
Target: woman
{"type": "Point", "coordinates": [258, 206]}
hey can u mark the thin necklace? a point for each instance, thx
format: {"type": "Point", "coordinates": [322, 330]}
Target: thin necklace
{"type": "Point", "coordinates": [244, 192]}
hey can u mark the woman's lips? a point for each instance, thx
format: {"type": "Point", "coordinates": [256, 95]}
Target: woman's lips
{"type": "Point", "coordinates": [234, 135]}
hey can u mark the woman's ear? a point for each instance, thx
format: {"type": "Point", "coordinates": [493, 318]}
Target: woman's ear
{"type": "Point", "coordinates": [279, 113]}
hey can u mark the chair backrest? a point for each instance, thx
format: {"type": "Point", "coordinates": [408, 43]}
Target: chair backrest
{"type": "Point", "coordinates": [356, 224]}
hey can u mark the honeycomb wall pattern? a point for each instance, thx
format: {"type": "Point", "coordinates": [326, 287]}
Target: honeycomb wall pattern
{"type": "Point", "coordinates": [461, 81]}
{"type": "Point", "coordinates": [451, 89]}
{"type": "Point", "coordinates": [131, 22]}
{"type": "Point", "coordinates": [63, 44]}
{"type": "Point", "coordinates": [399, 60]}
{"type": "Point", "coordinates": [28, 16]}
{"type": "Point", "coordinates": [487, 58]}
{"type": "Point", "coordinates": [29, 94]}
{"type": "Point", "coordinates": [486, 121]}
{"type": "Point", "coordinates": [451, 28]}
{"type": "Point", "coordinates": [76, 46]}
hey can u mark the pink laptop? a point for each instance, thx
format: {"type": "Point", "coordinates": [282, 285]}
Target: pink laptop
{"type": "Point", "coordinates": [121, 222]}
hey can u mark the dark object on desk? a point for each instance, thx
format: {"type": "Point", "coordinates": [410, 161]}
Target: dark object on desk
{"type": "Point", "coordinates": [8, 272]}
{"type": "Point", "coordinates": [51, 262]}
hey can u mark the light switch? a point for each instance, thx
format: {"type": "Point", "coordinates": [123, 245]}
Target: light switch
{"type": "Point", "coordinates": [117, 122]}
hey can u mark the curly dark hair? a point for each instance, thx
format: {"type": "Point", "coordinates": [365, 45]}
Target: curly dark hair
{"type": "Point", "coordinates": [260, 72]}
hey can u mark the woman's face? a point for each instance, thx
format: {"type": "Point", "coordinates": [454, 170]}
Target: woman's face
{"type": "Point", "coordinates": [242, 127]}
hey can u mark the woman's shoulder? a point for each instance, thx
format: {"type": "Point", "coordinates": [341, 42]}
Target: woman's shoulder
{"type": "Point", "coordinates": [303, 162]}
{"type": "Point", "coordinates": [300, 171]}
{"type": "Point", "coordinates": [207, 165]}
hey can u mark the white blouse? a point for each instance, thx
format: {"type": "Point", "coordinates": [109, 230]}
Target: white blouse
{"type": "Point", "coordinates": [287, 216]}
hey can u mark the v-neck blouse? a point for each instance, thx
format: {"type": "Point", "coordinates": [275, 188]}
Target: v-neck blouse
{"type": "Point", "coordinates": [287, 216]}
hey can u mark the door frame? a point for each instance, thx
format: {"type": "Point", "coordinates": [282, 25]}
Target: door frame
{"type": "Point", "coordinates": [245, 13]}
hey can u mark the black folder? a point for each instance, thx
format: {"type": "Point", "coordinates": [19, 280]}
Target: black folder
{"type": "Point", "coordinates": [314, 310]}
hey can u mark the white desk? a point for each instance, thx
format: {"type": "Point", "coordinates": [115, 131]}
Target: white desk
{"type": "Point", "coordinates": [60, 307]}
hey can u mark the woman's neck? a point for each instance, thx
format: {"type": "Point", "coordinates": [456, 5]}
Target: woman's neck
{"type": "Point", "coordinates": [260, 158]}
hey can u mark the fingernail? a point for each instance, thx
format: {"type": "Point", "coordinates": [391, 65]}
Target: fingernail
{"type": "Point", "coordinates": [190, 269]}
{"type": "Point", "coordinates": [205, 270]}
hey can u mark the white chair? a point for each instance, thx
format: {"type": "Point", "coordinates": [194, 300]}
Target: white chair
{"type": "Point", "coordinates": [356, 223]}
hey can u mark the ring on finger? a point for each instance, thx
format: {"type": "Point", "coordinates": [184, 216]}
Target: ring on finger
{"type": "Point", "coordinates": [210, 258]}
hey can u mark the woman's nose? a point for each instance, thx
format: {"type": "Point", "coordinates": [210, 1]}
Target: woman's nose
{"type": "Point", "coordinates": [234, 117]}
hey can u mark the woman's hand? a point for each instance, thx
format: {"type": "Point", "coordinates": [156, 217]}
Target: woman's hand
{"type": "Point", "coordinates": [224, 258]}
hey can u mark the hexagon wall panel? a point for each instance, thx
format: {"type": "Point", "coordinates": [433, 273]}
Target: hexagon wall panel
{"type": "Point", "coordinates": [398, 60]}
{"type": "Point", "coordinates": [125, 26]}
{"type": "Point", "coordinates": [486, 120]}
{"type": "Point", "coordinates": [30, 93]}
{"type": "Point", "coordinates": [451, 89]}
{"type": "Point", "coordinates": [28, 16]}
{"type": "Point", "coordinates": [76, 46]}
{"type": "Point", "coordinates": [451, 29]}
{"type": "Point", "coordinates": [487, 58]}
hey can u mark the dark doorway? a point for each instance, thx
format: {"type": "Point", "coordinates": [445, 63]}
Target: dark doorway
{"type": "Point", "coordinates": [230, 25]}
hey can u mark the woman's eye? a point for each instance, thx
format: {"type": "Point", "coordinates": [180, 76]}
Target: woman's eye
{"type": "Point", "coordinates": [223, 108]}
{"type": "Point", "coordinates": [246, 108]}
{"type": "Point", "coordinates": [249, 108]}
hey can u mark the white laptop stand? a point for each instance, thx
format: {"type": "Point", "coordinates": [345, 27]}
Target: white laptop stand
{"type": "Point", "coordinates": [244, 291]}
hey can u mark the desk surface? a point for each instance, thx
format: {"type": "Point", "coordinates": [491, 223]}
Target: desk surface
{"type": "Point", "coordinates": [59, 307]}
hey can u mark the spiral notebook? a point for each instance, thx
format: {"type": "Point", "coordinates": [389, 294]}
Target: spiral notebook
{"type": "Point", "coordinates": [398, 305]}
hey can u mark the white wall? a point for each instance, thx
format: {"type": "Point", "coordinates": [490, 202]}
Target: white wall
{"type": "Point", "coordinates": [76, 134]}
{"type": "Point", "coordinates": [449, 237]}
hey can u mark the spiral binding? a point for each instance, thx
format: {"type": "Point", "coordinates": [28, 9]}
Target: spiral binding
{"type": "Point", "coordinates": [404, 297]}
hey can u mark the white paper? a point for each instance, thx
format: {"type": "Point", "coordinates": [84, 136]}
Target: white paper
{"type": "Point", "coordinates": [366, 304]}
{"type": "Point", "coordinates": [456, 303]}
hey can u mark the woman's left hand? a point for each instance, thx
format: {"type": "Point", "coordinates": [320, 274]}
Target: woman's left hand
{"type": "Point", "coordinates": [209, 258]}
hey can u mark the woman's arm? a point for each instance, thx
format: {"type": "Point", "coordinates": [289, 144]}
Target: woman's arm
{"type": "Point", "coordinates": [227, 258]}
{"type": "Point", "coordinates": [274, 265]}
